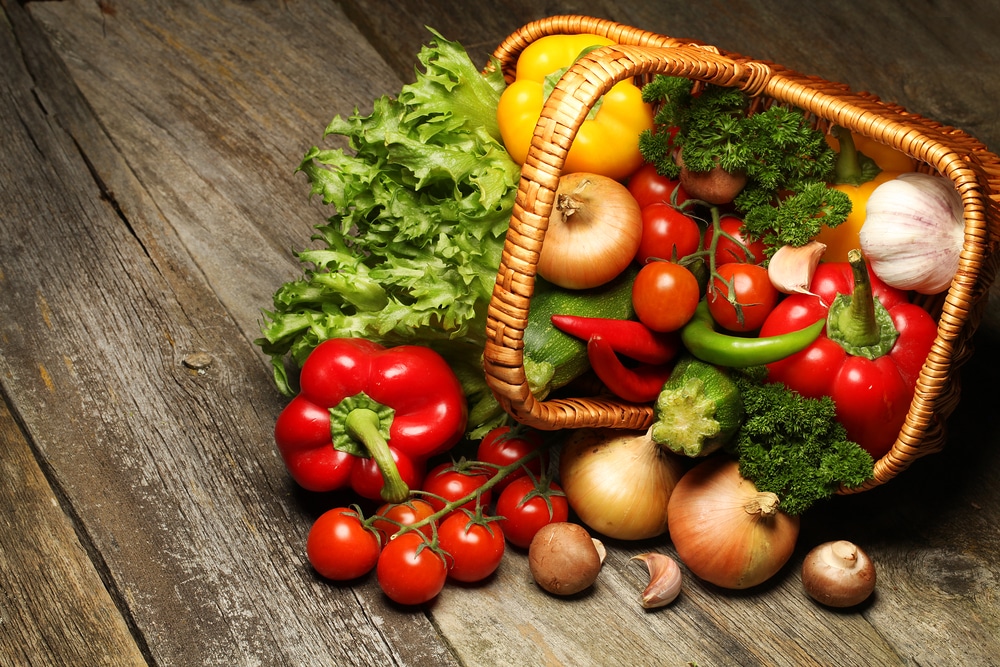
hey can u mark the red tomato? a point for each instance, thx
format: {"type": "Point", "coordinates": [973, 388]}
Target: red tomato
{"type": "Point", "coordinates": [524, 509]}
{"type": "Point", "coordinates": [340, 547]}
{"type": "Point", "coordinates": [733, 249]}
{"type": "Point", "coordinates": [753, 292]}
{"type": "Point", "coordinates": [503, 447]}
{"type": "Point", "coordinates": [476, 549]}
{"type": "Point", "coordinates": [648, 187]}
{"type": "Point", "coordinates": [397, 515]}
{"type": "Point", "coordinates": [665, 295]}
{"type": "Point", "coordinates": [410, 571]}
{"type": "Point", "coordinates": [667, 233]}
{"type": "Point", "coordinates": [447, 484]}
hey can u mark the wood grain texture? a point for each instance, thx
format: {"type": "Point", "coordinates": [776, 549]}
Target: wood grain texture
{"type": "Point", "coordinates": [51, 594]}
{"type": "Point", "coordinates": [150, 208]}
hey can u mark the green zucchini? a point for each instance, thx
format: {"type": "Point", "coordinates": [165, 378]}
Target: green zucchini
{"type": "Point", "coordinates": [553, 359]}
{"type": "Point", "coordinates": [699, 409]}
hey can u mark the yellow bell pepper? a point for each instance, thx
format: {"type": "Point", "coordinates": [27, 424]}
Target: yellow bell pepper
{"type": "Point", "coordinates": [844, 237]}
{"type": "Point", "coordinates": [607, 143]}
{"type": "Point", "coordinates": [886, 157]}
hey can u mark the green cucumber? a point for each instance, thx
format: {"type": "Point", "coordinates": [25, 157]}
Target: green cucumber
{"type": "Point", "coordinates": [553, 359]}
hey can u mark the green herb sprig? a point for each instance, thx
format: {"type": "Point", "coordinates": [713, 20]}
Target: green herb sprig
{"type": "Point", "coordinates": [787, 161]}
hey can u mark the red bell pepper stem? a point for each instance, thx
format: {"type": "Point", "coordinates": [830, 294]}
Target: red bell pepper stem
{"type": "Point", "coordinates": [858, 322]}
{"type": "Point", "coordinates": [362, 425]}
{"type": "Point", "coordinates": [628, 337]}
{"type": "Point", "coordinates": [640, 384]}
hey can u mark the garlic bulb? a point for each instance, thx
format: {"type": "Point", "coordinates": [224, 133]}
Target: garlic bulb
{"type": "Point", "coordinates": [913, 232]}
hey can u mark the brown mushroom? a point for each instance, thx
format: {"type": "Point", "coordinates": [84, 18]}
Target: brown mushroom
{"type": "Point", "coordinates": [564, 559]}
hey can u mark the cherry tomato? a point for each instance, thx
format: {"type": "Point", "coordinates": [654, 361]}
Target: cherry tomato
{"type": "Point", "coordinates": [524, 509]}
{"type": "Point", "coordinates": [476, 549]}
{"type": "Point", "coordinates": [410, 571]}
{"type": "Point", "coordinates": [754, 294]}
{"type": "Point", "coordinates": [648, 187]}
{"type": "Point", "coordinates": [451, 484]}
{"type": "Point", "coordinates": [340, 547]}
{"type": "Point", "coordinates": [402, 514]}
{"type": "Point", "coordinates": [665, 295]}
{"type": "Point", "coordinates": [503, 447]}
{"type": "Point", "coordinates": [727, 250]}
{"type": "Point", "coordinates": [667, 233]}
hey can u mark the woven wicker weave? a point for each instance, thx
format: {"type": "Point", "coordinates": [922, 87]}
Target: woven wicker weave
{"type": "Point", "coordinates": [640, 54]}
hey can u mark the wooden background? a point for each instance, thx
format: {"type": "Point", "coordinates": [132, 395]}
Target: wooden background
{"type": "Point", "coordinates": [148, 211]}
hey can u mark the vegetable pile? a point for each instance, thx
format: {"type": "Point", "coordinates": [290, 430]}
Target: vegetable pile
{"type": "Point", "coordinates": [712, 259]}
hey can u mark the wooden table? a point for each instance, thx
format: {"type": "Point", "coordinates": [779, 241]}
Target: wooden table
{"type": "Point", "coordinates": [148, 210]}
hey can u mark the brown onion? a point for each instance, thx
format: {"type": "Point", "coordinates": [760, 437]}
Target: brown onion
{"type": "Point", "coordinates": [593, 234]}
{"type": "Point", "coordinates": [619, 481]}
{"type": "Point", "coordinates": [725, 530]}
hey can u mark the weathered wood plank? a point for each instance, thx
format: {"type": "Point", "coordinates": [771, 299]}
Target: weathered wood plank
{"type": "Point", "coordinates": [170, 470]}
{"type": "Point", "coordinates": [54, 606]}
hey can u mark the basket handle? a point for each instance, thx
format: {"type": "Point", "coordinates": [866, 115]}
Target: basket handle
{"type": "Point", "coordinates": [563, 114]}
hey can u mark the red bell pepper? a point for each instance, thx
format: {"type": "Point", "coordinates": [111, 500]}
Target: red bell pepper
{"type": "Point", "coordinates": [869, 355]}
{"type": "Point", "coordinates": [369, 417]}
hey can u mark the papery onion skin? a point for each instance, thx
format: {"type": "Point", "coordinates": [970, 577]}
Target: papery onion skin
{"type": "Point", "coordinates": [593, 234]}
{"type": "Point", "coordinates": [914, 231]}
{"type": "Point", "coordinates": [714, 534]}
{"type": "Point", "coordinates": [619, 481]}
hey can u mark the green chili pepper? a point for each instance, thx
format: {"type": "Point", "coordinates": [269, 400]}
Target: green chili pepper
{"type": "Point", "coordinates": [704, 342]}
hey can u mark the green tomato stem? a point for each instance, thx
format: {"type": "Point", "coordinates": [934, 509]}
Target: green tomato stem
{"type": "Point", "coordinates": [500, 473]}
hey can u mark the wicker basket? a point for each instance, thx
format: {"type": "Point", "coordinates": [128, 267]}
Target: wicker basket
{"type": "Point", "coordinates": [641, 54]}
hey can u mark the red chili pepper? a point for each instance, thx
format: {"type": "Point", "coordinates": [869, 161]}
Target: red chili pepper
{"type": "Point", "coordinates": [869, 356]}
{"type": "Point", "coordinates": [369, 417]}
{"type": "Point", "coordinates": [638, 384]}
{"type": "Point", "coordinates": [627, 337]}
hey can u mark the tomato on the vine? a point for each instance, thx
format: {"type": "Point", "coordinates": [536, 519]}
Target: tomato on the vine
{"type": "Point", "coordinates": [524, 509]}
{"type": "Point", "coordinates": [410, 571]}
{"type": "Point", "coordinates": [504, 446]}
{"type": "Point", "coordinates": [752, 291]}
{"type": "Point", "coordinates": [648, 187]}
{"type": "Point", "coordinates": [733, 249]}
{"type": "Point", "coordinates": [390, 517]}
{"type": "Point", "coordinates": [448, 482]}
{"type": "Point", "coordinates": [339, 545]}
{"type": "Point", "coordinates": [475, 547]}
{"type": "Point", "coordinates": [667, 233]}
{"type": "Point", "coordinates": [665, 295]}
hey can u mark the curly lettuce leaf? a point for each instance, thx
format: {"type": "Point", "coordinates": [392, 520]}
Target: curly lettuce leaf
{"type": "Point", "coordinates": [422, 200]}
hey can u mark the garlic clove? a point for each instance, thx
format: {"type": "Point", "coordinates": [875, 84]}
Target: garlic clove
{"type": "Point", "coordinates": [664, 580]}
{"type": "Point", "coordinates": [791, 268]}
